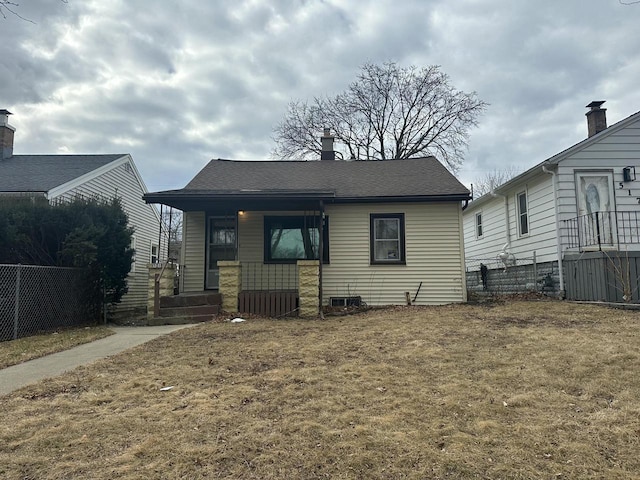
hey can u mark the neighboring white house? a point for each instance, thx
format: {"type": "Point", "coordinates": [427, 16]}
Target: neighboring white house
{"type": "Point", "coordinates": [584, 198]}
{"type": "Point", "coordinates": [60, 177]}
{"type": "Point", "coordinates": [388, 230]}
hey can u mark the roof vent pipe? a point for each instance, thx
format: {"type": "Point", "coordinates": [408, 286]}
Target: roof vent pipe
{"type": "Point", "coordinates": [596, 117]}
{"type": "Point", "coordinates": [327, 152]}
{"type": "Point", "coordinates": [6, 135]}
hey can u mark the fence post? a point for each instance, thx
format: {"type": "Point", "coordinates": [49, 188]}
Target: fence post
{"type": "Point", "coordinates": [535, 272]}
{"type": "Point", "coordinates": [17, 304]}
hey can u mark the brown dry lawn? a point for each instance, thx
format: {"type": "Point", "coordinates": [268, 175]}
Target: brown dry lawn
{"type": "Point", "coordinates": [36, 346]}
{"type": "Point", "coordinates": [516, 390]}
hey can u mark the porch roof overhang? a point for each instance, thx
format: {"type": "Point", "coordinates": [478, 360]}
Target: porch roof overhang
{"type": "Point", "coordinates": [197, 200]}
{"type": "Point", "coordinates": [194, 200]}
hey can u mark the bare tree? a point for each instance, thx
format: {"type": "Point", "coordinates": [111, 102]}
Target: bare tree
{"type": "Point", "coordinates": [389, 112]}
{"type": "Point", "coordinates": [7, 7]}
{"type": "Point", "coordinates": [490, 180]}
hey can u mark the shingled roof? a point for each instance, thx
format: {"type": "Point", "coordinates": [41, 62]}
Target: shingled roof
{"type": "Point", "coordinates": [338, 180]}
{"type": "Point", "coordinates": [41, 173]}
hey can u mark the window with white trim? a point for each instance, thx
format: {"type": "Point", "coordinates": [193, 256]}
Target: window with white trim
{"type": "Point", "coordinates": [479, 225]}
{"type": "Point", "coordinates": [523, 213]}
{"type": "Point", "coordinates": [155, 253]}
{"type": "Point", "coordinates": [387, 243]}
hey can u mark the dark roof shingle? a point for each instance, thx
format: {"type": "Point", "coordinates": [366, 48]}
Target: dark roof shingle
{"type": "Point", "coordinates": [416, 177]}
{"type": "Point", "coordinates": [41, 173]}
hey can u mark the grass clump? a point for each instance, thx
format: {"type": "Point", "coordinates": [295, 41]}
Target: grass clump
{"type": "Point", "coordinates": [36, 346]}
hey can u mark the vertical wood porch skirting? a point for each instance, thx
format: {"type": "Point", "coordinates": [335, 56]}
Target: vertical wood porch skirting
{"type": "Point", "coordinates": [304, 302]}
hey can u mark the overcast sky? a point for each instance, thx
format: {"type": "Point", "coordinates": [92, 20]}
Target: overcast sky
{"type": "Point", "coordinates": [176, 83]}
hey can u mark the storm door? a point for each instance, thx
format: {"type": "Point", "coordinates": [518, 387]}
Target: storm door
{"type": "Point", "coordinates": [596, 208]}
{"type": "Point", "coordinates": [221, 245]}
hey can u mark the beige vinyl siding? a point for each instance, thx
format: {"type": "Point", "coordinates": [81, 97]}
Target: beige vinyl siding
{"type": "Point", "coordinates": [433, 255]}
{"type": "Point", "coordinates": [433, 248]}
{"type": "Point", "coordinates": [121, 181]}
{"type": "Point", "coordinates": [193, 251]}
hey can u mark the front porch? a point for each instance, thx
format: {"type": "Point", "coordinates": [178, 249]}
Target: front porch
{"type": "Point", "coordinates": [274, 290]}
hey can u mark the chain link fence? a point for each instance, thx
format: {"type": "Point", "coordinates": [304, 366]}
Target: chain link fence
{"type": "Point", "coordinates": [36, 299]}
{"type": "Point", "coordinates": [495, 276]}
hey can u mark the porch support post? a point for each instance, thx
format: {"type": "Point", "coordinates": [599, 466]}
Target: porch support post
{"type": "Point", "coordinates": [321, 258]}
{"type": "Point", "coordinates": [158, 286]}
{"type": "Point", "coordinates": [308, 283]}
{"type": "Point", "coordinates": [230, 284]}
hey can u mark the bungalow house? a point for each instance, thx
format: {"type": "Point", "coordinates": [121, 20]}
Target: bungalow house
{"type": "Point", "coordinates": [568, 211]}
{"type": "Point", "coordinates": [388, 232]}
{"type": "Point", "coordinates": [62, 177]}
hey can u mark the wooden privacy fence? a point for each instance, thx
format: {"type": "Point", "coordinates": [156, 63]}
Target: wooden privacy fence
{"type": "Point", "coordinates": [608, 276]}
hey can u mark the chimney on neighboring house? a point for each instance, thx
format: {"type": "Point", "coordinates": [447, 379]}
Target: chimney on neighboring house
{"type": "Point", "coordinates": [327, 146]}
{"type": "Point", "coordinates": [596, 117]}
{"type": "Point", "coordinates": [6, 135]}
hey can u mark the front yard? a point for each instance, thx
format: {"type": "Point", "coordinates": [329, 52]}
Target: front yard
{"type": "Point", "coordinates": [518, 390]}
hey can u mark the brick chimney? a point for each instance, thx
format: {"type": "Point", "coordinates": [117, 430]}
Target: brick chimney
{"type": "Point", "coordinates": [596, 117]}
{"type": "Point", "coordinates": [327, 146]}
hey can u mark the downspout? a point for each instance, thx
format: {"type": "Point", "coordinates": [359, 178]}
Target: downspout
{"type": "Point", "coordinates": [507, 219]}
{"type": "Point", "coordinates": [554, 181]}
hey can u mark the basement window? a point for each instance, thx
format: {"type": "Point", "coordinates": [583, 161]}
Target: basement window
{"type": "Point", "coordinates": [345, 301]}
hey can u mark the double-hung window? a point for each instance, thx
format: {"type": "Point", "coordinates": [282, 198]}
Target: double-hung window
{"type": "Point", "coordinates": [478, 225]}
{"type": "Point", "coordinates": [155, 250]}
{"type": "Point", "coordinates": [291, 238]}
{"type": "Point", "coordinates": [523, 213]}
{"type": "Point", "coordinates": [387, 244]}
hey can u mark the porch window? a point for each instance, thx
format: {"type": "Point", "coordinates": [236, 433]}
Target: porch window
{"type": "Point", "coordinates": [523, 213]}
{"type": "Point", "coordinates": [291, 238]}
{"type": "Point", "coordinates": [387, 244]}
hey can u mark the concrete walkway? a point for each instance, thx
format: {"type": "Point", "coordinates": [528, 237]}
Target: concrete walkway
{"type": "Point", "coordinates": [23, 374]}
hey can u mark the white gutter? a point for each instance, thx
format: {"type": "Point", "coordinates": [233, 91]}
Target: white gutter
{"type": "Point", "coordinates": [554, 181]}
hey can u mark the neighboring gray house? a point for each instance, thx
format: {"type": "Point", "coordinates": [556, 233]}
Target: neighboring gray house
{"type": "Point", "coordinates": [390, 227]}
{"type": "Point", "coordinates": [60, 177]}
{"type": "Point", "coordinates": [584, 199]}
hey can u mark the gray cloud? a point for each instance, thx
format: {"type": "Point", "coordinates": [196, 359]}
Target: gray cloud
{"type": "Point", "coordinates": [177, 83]}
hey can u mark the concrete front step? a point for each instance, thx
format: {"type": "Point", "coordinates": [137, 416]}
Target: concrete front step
{"type": "Point", "coordinates": [191, 300]}
{"type": "Point", "coordinates": [189, 311]}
